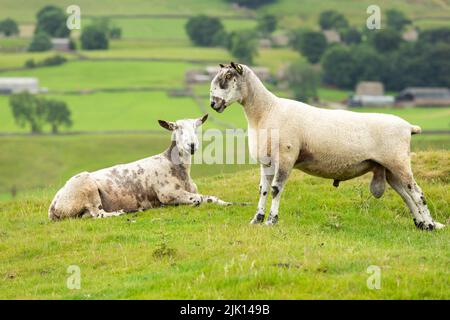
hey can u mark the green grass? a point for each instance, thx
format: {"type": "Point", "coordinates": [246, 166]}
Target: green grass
{"type": "Point", "coordinates": [124, 111]}
{"type": "Point", "coordinates": [168, 29]}
{"type": "Point", "coordinates": [426, 118]}
{"type": "Point", "coordinates": [293, 13]}
{"type": "Point", "coordinates": [18, 59]}
{"type": "Point", "coordinates": [13, 44]}
{"type": "Point", "coordinates": [331, 94]}
{"type": "Point", "coordinates": [320, 249]}
{"type": "Point", "coordinates": [121, 49]}
{"type": "Point", "coordinates": [25, 10]}
{"type": "Point", "coordinates": [306, 13]}
{"type": "Point", "coordinates": [33, 162]}
{"type": "Point", "coordinates": [85, 75]}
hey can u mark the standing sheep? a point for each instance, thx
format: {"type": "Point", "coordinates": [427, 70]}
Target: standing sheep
{"type": "Point", "coordinates": [147, 183]}
{"type": "Point", "coordinates": [333, 144]}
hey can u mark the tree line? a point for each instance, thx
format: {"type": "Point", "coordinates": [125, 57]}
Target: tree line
{"type": "Point", "coordinates": [369, 55]}
{"type": "Point", "coordinates": [51, 23]}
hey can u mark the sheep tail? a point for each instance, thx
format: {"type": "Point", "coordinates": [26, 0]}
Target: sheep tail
{"type": "Point", "coordinates": [415, 130]}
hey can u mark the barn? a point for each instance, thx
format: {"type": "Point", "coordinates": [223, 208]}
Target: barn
{"type": "Point", "coordinates": [424, 97]}
{"type": "Point", "coordinates": [9, 85]}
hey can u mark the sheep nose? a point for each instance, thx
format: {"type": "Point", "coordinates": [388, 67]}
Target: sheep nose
{"type": "Point", "coordinates": [192, 148]}
{"type": "Point", "coordinates": [213, 103]}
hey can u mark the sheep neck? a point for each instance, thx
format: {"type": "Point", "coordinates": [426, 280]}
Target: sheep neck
{"type": "Point", "coordinates": [179, 159]}
{"type": "Point", "coordinates": [258, 99]}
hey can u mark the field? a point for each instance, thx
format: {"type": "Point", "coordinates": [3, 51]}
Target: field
{"type": "Point", "coordinates": [326, 238]}
{"type": "Point", "coordinates": [321, 248]}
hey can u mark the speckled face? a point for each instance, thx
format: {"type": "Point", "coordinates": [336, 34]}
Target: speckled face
{"type": "Point", "coordinates": [184, 133]}
{"type": "Point", "coordinates": [226, 87]}
{"type": "Point", "coordinates": [185, 136]}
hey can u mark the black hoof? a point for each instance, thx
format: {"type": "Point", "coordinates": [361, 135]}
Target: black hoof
{"type": "Point", "coordinates": [259, 218]}
{"type": "Point", "coordinates": [423, 226]}
{"type": "Point", "coordinates": [272, 220]}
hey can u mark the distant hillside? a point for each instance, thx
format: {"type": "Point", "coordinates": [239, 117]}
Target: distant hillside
{"type": "Point", "coordinates": [425, 13]}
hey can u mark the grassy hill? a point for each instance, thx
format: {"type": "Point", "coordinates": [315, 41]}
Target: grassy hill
{"type": "Point", "coordinates": [292, 13]}
{"type": "Point", "coordinates": [321, 248]}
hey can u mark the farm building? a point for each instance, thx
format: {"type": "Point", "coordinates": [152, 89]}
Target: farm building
{"type": "Point", "coordinates": [280, 40]}
{"type": "Point", "coordinates": [421, 96]}
{"type": "Point", "coordinates": [410, 35]}
{"type": "Point", "coordinates": [10, 85]}
{"type": "Point", "coordinates": [207, 74]}
{"type": "Point", "coordinates": [332, 36]}
{"type": "Point", "coordinates": [60, 44]}
{"type": "Point", "coordinates": [370, 94]}
{"type": "Point", "coordinates": [265, 43]}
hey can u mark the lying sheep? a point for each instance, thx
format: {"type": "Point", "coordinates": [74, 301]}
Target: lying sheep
{"type": "Point", "coordinates": [333, 144]}
{"type": "Point", "coordinates": [163, 179]}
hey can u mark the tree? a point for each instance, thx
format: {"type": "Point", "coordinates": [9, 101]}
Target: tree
{"type": "Point", "coordinates": [432, 36]}
{"type": "Point", "coordinates": [396, 19]}
{"type": "Point", "coordinates": [28, 110]}
{"type": "Point", "coordinates": [202, 30]}
{"type": "Point", "coordinates": [52, 21]}
{"type": "Point", "coordinates": [244, 45]}
{"type": "Point", "coordinates": [115, 33]}
{"type": "Point", "coordinates": [40, 42]}
{"type": "Point", "coordinates": [31, 110]}
{"type": "Point", "coordinates": [386, 40]}
{"type": "Point", "coordinates": [267, 24]}
{"type": "Point", "coordinates": [222, 39]}
{"type": "Point", "coordinates": [311, 44]}
{"type": "Point", "coordinates": [30, 64]}
{"type": "Point", "coordinates": [9, 27]}
{"type": "Point", "coordinates": [338, 67]}
{"type": "Point", "coordinates": [58, 115]}
{"type": "Point", "coordinates": [251, 3]}
{"type": "Point", "coordinates": [368, 65]}
{"type": "Point", "coordinates": [331, 19]}
{"type": "Point", "coordinates": [303, 81]}
{"type": "Point", "coordinates": [94, 37]}
{"type": "Point", "coordinates": [351, 36]}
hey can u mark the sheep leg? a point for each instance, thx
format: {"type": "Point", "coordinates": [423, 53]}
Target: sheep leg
{"type": "Point", "coordinates": [266, 180]}
{"type": "Point", "coordinates": [413, 196]}
{"type": "Point", "coordinates": [96, 211]}
{"type": "Point", "coordinates": [279, 180]}
{"type": "Point", "coordinates": [103, 214]}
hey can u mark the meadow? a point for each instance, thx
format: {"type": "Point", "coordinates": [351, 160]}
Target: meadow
{"type": "Point", "coordinates": [321, 249]}
{"type": "Point", "coordinates": [326, 238]}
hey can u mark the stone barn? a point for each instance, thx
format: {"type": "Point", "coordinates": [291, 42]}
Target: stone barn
{"type": "Point", "coordinates": [424, 97]}
{"type": "Point", "coordinates": [370, 94]}
{"type": "Point", "coordinates": [9, 85]}
{"type": "Point", "coordinates": [60, 44]}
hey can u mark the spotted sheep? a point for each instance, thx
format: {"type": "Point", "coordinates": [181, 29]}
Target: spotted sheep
{"type": "Point", "coordinates": [163, 179]}
{"type": "Point", "coordinates": [334, 144]}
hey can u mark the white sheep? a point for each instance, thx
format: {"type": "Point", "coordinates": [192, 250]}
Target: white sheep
{"type": "Point", "coordinates": [333, 144]}
{"type": "Point", "coordinates": [147, 183]}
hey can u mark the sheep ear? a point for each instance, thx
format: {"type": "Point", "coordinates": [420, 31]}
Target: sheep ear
{"type": "Point", "coordinates": [167, 125]}
{"type": "Point", "coordinates": [237, 67]}
{"type": "Point", "coordinates": [221, 65]}
{"type": "Point", "coordinates": [201, 120]}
